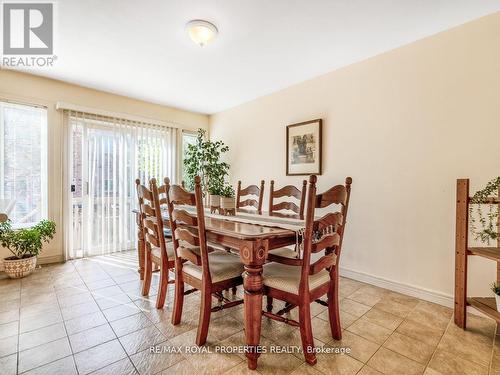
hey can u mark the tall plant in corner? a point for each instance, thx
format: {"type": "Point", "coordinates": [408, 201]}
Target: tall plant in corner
{"type": "Point", "coordinates": [204, 159]}
{"type": "Point", "coordinates": [487, 229]}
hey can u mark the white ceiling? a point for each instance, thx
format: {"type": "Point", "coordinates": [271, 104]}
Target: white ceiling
{"type": "Point", "coordinates": [140, 48]}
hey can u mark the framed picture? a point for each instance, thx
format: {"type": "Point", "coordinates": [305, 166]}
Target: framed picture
{"type": "Point", "coordinates": [303, 148]}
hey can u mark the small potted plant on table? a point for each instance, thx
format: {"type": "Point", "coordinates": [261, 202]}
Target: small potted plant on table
{"type": "Point", "coordinates": [25, 244]}
{"type": "Point", "coordinates": [228, 201]}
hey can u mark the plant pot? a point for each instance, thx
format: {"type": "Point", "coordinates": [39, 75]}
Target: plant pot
{"type": "Point", "coordinates": [16, 268]}
{"type": "Point", "coordinates": [228, 205]}
{"type": "Point", "coordinates": [214, 202]}
{"type": "Point", "coordinates": [497, 298]}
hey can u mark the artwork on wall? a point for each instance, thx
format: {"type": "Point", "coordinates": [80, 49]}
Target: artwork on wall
{"type": "Point", "coordinates": [303, 148]}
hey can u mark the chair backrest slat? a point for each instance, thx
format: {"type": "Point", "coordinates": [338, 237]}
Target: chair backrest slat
{"type": "Point", "coordinates": [325, 261]}
{"type": "Point", "coordinates": [328, 241]}
{"type": "Point", "coordinates": [337, 194]}
{"type": "Point", "coordinates": [252, 190]}
{"type": "Point", "coordinates": [182, 234]}
{"type": "Point", "coordinates": [182, 216]}
{"type": "Point", "coordinates": [291, 192]}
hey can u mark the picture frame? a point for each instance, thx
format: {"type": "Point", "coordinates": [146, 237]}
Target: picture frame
{"type": "Point", "coordinates": [304, 148]}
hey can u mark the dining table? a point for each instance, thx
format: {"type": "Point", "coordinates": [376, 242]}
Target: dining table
{"type": "Point", "coordinates": [252, 236]}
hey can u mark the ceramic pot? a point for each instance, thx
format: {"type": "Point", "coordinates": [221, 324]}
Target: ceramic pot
{"type": "Point", "coordinates": [214, 202]}
{"type": "Point", "coordinates": [228, 203]}
{"type": "Point", "coordinates": [17, 268]}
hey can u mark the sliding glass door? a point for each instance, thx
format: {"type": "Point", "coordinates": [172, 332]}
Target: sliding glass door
{"type": "Point", "coordinates": [107, 156]}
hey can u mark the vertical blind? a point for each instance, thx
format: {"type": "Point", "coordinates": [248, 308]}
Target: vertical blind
{"type": "Point", "coordinates": [108, 154]}
{"type": "Point", "coordinates": [23, 163]}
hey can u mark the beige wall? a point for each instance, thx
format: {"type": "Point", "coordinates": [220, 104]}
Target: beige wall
{"type": "Point", "coordinates": [405, 125]}
{"type": "Point", "coordinates": [32, 89]}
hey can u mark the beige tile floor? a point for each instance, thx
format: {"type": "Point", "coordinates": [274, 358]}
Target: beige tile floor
{"type": "Point", "coordinates": [88, 316]}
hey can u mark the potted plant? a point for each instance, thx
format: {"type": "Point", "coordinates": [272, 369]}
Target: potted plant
{"type": "Point", "coordinates": [495, 287]}
{"type": "Point", "coordinates": [25, 244]}
{"type": "Point", "coordinates": [227, 201]}
{"type": "Point", "coordinates": [487, 228]}
{"type": "Point", "coordinates": [204, 159]}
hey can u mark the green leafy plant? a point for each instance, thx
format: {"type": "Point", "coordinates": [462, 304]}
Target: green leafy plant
{"type": "Point", "coordinates": [495, 287]}
{"type": "Point", "coordinates": [26, 242]}
{"type": "Point", "coordinates": [227, 191]}
{"type": "Point", "coordinates": [204, 159]}
{"type": "Point", "coordinates": [487, 221]}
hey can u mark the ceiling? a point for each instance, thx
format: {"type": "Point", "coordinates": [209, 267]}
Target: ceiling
{"type": "Point", "coordinates": [141, 49]}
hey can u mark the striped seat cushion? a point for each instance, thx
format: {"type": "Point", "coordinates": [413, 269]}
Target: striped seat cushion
{"type": "Point", "coordinates": [223, 266]}
{"type": "Point", "coordinates": [287, 278]}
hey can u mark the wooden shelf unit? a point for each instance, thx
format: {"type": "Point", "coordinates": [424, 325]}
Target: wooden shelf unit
{"type": "Point", "coordinates": [486, 305]}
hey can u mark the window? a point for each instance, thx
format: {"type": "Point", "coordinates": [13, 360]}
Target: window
{"type": "Point", "coordinates": [23, 163]}
{"type": "Point", "coordinates": [188, 138]}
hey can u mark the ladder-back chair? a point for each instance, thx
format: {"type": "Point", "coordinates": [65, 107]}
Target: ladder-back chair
{"type": "Point", "coordinates": [299, 282]}
{"type": "Point", "coordinates": [157, 250]}
{"type": "Point", "coordinates": [210, 273]}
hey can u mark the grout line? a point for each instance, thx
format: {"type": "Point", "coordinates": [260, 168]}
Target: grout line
{"type": "Point", "coordinates": [66, 330]}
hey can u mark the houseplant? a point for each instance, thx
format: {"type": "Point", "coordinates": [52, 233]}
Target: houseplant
{"type": "Point", "coordinates": [227, 201]}
{"type": "Point", "coordinates": [25, 244]}
{"type": "Point", "coordinates": [495, 287]}
{"type": "Point", "coordinates": [487, 229]}
{"type": "Point", "coordinates": [204, 159]}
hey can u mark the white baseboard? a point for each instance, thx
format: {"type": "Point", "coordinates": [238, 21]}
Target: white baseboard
{"type": "Point", "coordinates": [409, 290]}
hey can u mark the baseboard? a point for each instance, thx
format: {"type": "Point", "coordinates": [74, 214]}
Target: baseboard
{"type": "Point", "coordinates": [51, 259]}
{"type": "Point", "coordinates": [406, 289]}
{"type": "Point", "coordinates": [409, 290]}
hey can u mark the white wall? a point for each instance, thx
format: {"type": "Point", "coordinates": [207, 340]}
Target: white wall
{"type": "Point", "coordinates": [37, 90]}
{"type": "Point", "coordinates": [405, 125]}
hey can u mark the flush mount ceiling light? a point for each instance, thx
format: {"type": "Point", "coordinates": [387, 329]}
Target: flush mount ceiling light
{"type": "Point", "coordinates": [201, 32]}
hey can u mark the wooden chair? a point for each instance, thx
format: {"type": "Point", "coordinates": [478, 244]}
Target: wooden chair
{"type": "Point", "coordinates": [299, 282]}
{"type": "Point", "coordinates": [157, 250]}
{"type": "Point", "coordinates": [250, 202]}
{"type": "Point", "coordinates": [287, 191]}
{"type": "Point", "coordinates": [210, 273]}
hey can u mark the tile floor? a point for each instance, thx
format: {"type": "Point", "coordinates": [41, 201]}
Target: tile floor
{"type": "Point", "coordinates": [88, 316]}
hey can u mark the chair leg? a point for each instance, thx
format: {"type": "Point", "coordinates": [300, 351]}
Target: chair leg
{"type": "Point", "coordinates": [269, 305]}
{"type": "Point", "coordinates": [306, 333]}
{"type": "Point", "coordinates": [148, 272]}
{"type": "Point", "coordinates": [205, 311]}
{"type": "Point", "coordinates": [234, 289]}
{"type": "Point", "coordinates": [163, 289]}
{"type": "Point", "coordinates": [178, 296]}
{"type": "Point", "coordinates": [333, 308]}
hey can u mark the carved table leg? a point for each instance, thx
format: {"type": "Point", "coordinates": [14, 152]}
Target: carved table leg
{"type": "Point", "coordinates": [253, 257]}
{"type": "Point", "coordinates": [141, 248]}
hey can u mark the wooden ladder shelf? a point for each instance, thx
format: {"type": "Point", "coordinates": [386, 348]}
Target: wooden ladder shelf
{"type": "Point", "coordinates": [486, 305]}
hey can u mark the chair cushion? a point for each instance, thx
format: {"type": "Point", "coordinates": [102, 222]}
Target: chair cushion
{"type": "Point", "coordinates": [284, 252]}
{"type": "Point", "coordinates": [223, 266]}
{"type": "Point", "coordinates": [156, 251]}
{"type": "Point", "coordinates": [287, 278]}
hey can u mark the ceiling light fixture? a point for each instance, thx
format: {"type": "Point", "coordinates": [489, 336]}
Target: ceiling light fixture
{"type": "Point", "coordinates": [201, 32]}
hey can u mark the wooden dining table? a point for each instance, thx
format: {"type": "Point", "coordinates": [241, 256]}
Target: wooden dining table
{"type": "Point", "coordinates": [253, 242]}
